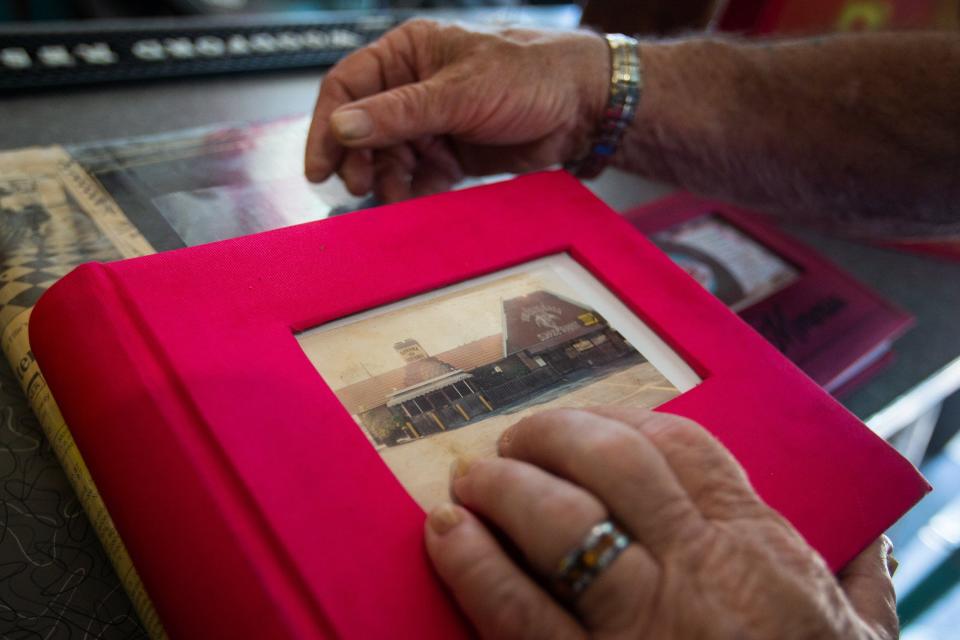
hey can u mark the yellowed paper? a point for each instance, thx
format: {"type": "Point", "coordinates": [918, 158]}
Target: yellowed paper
{"type": "Point", "coordinates": [66, 218]}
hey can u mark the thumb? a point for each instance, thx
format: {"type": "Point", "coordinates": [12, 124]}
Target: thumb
{"type": "Point", "coordinates": [868, 583]}
{"type": "Point", "coordinates": [408, 112]}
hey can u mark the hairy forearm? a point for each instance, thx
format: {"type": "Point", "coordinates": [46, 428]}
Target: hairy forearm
{"type": "Point", "coordinates": [858, 130]}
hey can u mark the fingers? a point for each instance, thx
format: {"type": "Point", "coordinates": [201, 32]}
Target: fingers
{"type": "Point", "coordinates": [533, 155]}
{"type": "Point", "coordinates": [356, 171]}
{"type": "Point", "coordinates": [438, 168]}
{"type": "Point", "coordinates": [544, 515]}
{"type": "Point", "coordinates": [379, 66]}
{"type": "Point", "coordinates": [323, 153]}
{"type": "Point", "coordinates": [706, 470]}
{"type": "Point", "coordinates": [419, 168]}
{"type": "Point", "coordinates": [392, 181]}
{"type": "Point", "coordinates": [405, 113]}
{"type": "Point", "coordinates": [498, 598]}
{"type": "Point", "coordinates": [547, 517]}
{"type": "Point", "coordinates": [358, 111]}
{"type": "Point", "coordinates": [393, 167]}
{"type": "Point", "coordinates": [359, 74]}
{"type": "Point", "coordinates": [868, 584]}
{"type": "Point", "coordinates": [617, 464]}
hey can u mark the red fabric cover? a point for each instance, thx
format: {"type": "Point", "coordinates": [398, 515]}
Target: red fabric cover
{"type": "Point", "coordinates": [250, 501]}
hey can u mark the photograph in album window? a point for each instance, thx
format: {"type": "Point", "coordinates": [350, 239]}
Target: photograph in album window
{"type": "Point", "coordinates": [438, 377]}
{"type": "Point", "coordinates": [487, 350]}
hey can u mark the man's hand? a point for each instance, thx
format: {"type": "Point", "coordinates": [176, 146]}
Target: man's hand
{"type": "Point", "coordinates": [427, 104]}
{"type": "Point", "coordinates": [858, 131]}
{"type": "Point", "coordinates": [708, 560]}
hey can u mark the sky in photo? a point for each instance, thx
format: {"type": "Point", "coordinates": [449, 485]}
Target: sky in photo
{"type": "Point", "coordinates": [352, 352]}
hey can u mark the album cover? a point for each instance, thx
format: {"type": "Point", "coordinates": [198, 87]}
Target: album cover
{"type": "Point", "coordinates": [270, 480]}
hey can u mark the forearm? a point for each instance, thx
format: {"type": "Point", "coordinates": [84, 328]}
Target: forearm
{"type": "Point", "coordinates": [861, 130]}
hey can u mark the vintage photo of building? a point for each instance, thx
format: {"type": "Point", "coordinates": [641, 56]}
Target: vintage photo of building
{"type": "Point", "coordinates": [440, 376]}
{"type": "Point", "coordinates": [547, 341]}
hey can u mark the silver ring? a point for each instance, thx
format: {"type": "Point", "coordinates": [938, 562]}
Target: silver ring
{"type": "Point", "coordinates": [584, 564]}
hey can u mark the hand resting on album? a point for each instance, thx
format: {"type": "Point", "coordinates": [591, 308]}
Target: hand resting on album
{"type": "Point", "coordinates": [704, 557]}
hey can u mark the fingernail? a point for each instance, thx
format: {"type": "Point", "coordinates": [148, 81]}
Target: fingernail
{"type": "Point", "coordinates": [351, 124]}
{"type": "Point", "coordinates": [444, 518]}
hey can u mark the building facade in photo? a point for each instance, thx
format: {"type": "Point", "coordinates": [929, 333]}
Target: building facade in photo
{"type": "Point", "coordinates": [547, 343]}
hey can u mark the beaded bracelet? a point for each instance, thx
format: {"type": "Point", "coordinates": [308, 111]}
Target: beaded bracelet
{"type": "Point", "coordinates": [626, 85]}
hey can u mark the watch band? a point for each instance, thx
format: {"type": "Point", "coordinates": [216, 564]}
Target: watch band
{"type": "Point", "coordinates": [626, 87]}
